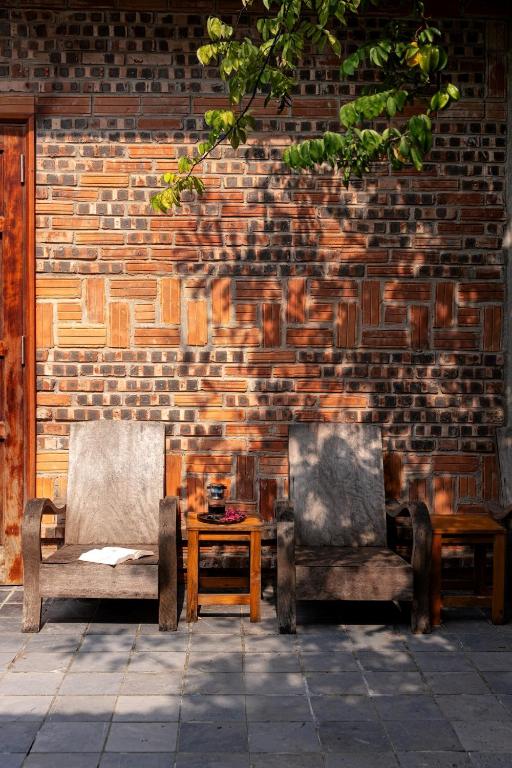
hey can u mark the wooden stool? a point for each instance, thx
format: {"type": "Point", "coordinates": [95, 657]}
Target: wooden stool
{"type": "Point", "coordinates": [475, 530]}
{"type": "Point", "coordinates": [248, 530]}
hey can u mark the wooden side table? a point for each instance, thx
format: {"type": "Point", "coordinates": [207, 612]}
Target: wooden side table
{"type": "Point", "coordinates": [476, 530]}
{"type": "Point", "coordinates": [248, 530]}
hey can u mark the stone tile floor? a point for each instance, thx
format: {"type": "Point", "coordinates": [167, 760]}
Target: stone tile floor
{"type": "Point", "coordinates": [100, 686]}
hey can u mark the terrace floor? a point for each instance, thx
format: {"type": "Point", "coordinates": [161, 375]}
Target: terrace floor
{"type": "Point", "coordinates": [100, 686]}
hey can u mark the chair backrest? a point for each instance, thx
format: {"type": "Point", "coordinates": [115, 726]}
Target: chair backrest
{"type": "Point", "coordinates": [337, 484]}
{"type": "Point", "coordinates": [115, 482]}
{"type": "Point", "coordinates": [504, 436]}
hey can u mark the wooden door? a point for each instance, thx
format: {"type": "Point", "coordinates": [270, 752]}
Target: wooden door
{"type": "Point", "coordinates": [12, 414]}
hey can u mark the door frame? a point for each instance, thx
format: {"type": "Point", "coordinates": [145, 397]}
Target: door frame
{"type": "Point", "coordinates": [21, 110]}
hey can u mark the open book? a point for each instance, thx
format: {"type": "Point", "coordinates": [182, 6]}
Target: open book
{"type": "Point", "coordinates": [113, 555]}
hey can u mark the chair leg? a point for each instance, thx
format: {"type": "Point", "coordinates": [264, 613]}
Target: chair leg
{"type": "Point", "coordinates": [32, 606]}
{"type": "Point", "coordinates": [168, 609]}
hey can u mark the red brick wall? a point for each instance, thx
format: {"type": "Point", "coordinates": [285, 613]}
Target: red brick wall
{"type": "Point", "coordinates": [274, 298]}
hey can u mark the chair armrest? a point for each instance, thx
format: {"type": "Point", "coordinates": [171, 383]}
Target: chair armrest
{"type": "Point", "coordinates": [31, 527]}
{"type": "Point", "coordinates": [285, 567]}
{"type": "Point", "coordinates": [420, 558]}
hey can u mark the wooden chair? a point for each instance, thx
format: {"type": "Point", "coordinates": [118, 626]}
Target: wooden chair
{"type": "Point", "coordinates": [115, 489]}
{"type": "Point", "coordinates": [334, 537]}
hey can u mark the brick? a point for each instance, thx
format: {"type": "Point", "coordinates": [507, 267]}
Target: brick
{"type": "Point", "coordinates": [480, 292]}
{"type": "Point", "coordinates": [95, 299]}
{"type": "Point", "coordinates": [220, 414]}
{"type": "Point", "coordinates": [309, 337]}
{"type": "Point", "coordinates": [104, 180]}
{"type": "Point", "coordinates": [457, 464]}
{"type": "Point", "coordinates": [296, 305]}
{"type": "Point", "coordinates": [444, 314]}
{"type": "Point", "coordinates": [221, 301]}
{"type": "Point", "coordinates": [245, 478]}
{"type": "Point", "coordinates": [490, 478]}
{"type": "Point", "coordinates": [402, 291]}
{"type": "Point", "coordinates": [492, 328]}
{"type": "Point", "coordinates": [343, 401]}
{"type": "Point", "coordinates": [195, 399]}
{"type": "Point", "coordinates": [53, 399]}
{"type": "Point", "coordinates": [268, 498]}
{"type": "Point", "coordinates": [258, 289]}
{"type": "Point", "coordinates": [119, 325]}
{"type": "Point", "coordinates": [246, 313]}
{"type": "Point", "coordinates": [444, 495]}
{"type": "Point", "coordinates": [224, 385]}
{"type": "Point", "coordinates": [371, 302]}
{"type": "Point", "coordinates": [321, 313]}
{"type": "Point", "coordinates": [271, 325]}
{"type": "Point", "coordinates": [389, 338]}
{"type": "Point", "coordinates": [197, 323]}
{"type": "Point", "coordinates": [235, 337]}
{"type": "Point", "coordinates": [170, 300]}
{"type": "Point", "coordinates": [145, 313]}
{"type": "Point", "coordinates": [455, 340]}
{"type": "Point", "coordinates": [133, 289]}
{"type": "Point", "coordinates": [69, 312]}
{"type": "Point", "coordinates": [63, 105]}
{"type": "Point", "coordinates": [56, 288]}
{"type": "Point", "coordinates": [209, 462]}
{"type": "Point", "coordinates": [333, 289]}
{"type": "Point", "coordinates": [419, 327]}
{"type": "Point", "coordinates": [346, 326]}
{"type": "Point", "coordinates": [44, 325]}
{"type": "Point", "coordinates": [296, 371]}
{"type": "Point", "coordinates": [157, 337]}
{"type": "Point", "coordinates": [173, 474]}
{"type": "Point", "coordinates": [81, 337]}
{"type": "Point", "coordinates": [52, 461]}
{"type": "Point", "coordinates": [99, 238]}
{"type": "Point", "coordinates": [116, 105]}
{"type": "Point", "coordinates": [196, 495]}
{"type": "Point", "coordinates": [395, 315]}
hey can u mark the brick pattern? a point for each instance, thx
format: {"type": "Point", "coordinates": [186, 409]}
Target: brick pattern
{"type": "Point", "coordinates": [275, 298]}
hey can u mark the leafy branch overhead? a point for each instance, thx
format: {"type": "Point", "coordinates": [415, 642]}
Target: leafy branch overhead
{"type": "Point", "coordinates": [390, 120]}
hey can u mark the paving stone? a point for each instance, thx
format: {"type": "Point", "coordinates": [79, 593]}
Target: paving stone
{"type": "Point", "coordinates": [165, 642]}
{"type": "Point", "coordinates": [307, 760]}
{"type": "Point", "coordinates": [387, 662]}
{"type": "Point", "coordinates": [339, 708]}
{"type": "Point", "coordinates": [11, 642]}
{"type": "Point", "coordinates": [472, 707]}
{"type": "Point", "coordinates": [336, 683]}
{"type": "Point", "coordinates": [217, 625]}
{"type": "Point", "coordinates": [408, 707]}
{"type": "Point", "coordinates": [142, 683]}
{"type": "Point", "coordinates": [107, 643]}
{"type": "Point", "coordinates": [156, 662]}
{"type": "Point", "coordinates": [136, 760]}
{"type": "Point", "coordinates": [456, 682]}
{"type": "Point", "coordinates": [347, 737]}
{"type": "Point", "coordinates": [364, 760]}
{"type": "Point", "coordinates": [215, 661]}
{"type": "Point", "coordinates": [443, 662]}
{"type": "Point", "coordinates": [219, 760]}
{"type": "Point", "coordinates": [23, 708]}
{"type": "Point", "coordinates": [82, 708]}
{"type": "Point", "coordinates": [70, 737]}
{"type": "Point", "coordinates": [289, 738]}
{"type": "Point", "coordinates": [35, 661]}
{"type": "Point", "coordinates": [206, 643]}
{"type": "Point", "coordinates": [61, 760]}
{"type": "Point", "coordinates": [213, 737]}
{"type": "Point", "coordinates": [493, 661]}
{"type": "Point", "coordinates": [419, 735]}
{"type": "Point", "coordinates": [485, 642]}
{"type": "Point", "coordinates": [87, 684]}
{"type": "Point", "coordinates": [485, 736]}
{"type": "Point", "coordinates": [100, 662]}
{"type": "Point", "coordinates": [278, 708]}
{"type": "Point", "coordinates": [147, 708]}
{"type": "Point", "coordinates": [212, 708]}
{"type": "Point", "coordinates": [395, 682]}
{"type": "Point", "coordinates": [341, 661]}
{"type": "Point", "coordinates": [12, 760]}
{"type": "Point", "coordinates": [506, 701]}
{"type": "Point", "coordinates": [112, 628]}
{"type": "Point", "coordinates": [215, 682]}
{"type": "Point", "coordinates": [489, 760]}
{"type": "Point", "coordinates": [271, 663]}
{"type": "Point", "coordinates": [435, 642]}
{"type": "Point", "coordinates": [30, 683]}
{"type": "Point", "coordinates": [267, 626]}
{"type": "Point", "coordinates": [142, 737]}
{"type": "Point", "coordinates": [17, 736]}
{"type": "Point", "coordinates": [279, 683]}
{"type": "Point", "coordinates": [498, 682]}
{"type": "Point", "coordinates": [434, 760]}
{"type": "Point", "coordinates": [310, 643]}
{"type": "Point", "coordinates": [270, 644]}
{"type": "Point", "coordinates": [64, 628]}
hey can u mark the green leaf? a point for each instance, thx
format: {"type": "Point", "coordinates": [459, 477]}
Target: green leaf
{"type": "Point", "coordinates": [416, 159]}
{"type": "Point", "coordinates": [453, 91]}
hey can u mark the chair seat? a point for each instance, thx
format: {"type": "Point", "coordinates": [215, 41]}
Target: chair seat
{"type": "Point", "coordinates": [76, 578]}
{"type": "Point", "coordinates": [352, 573]}
{"type": "Point", "coordinates": [70, 553]}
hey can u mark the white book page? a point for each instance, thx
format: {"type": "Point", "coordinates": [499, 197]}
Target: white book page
{"type": "Point", "coordinates": [113, 555]}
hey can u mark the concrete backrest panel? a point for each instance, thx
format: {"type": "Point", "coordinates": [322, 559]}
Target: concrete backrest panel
{"type": "Point", "coordinates": [115, 482]}
{"type": "Point", "coordinates": [337, 484]}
